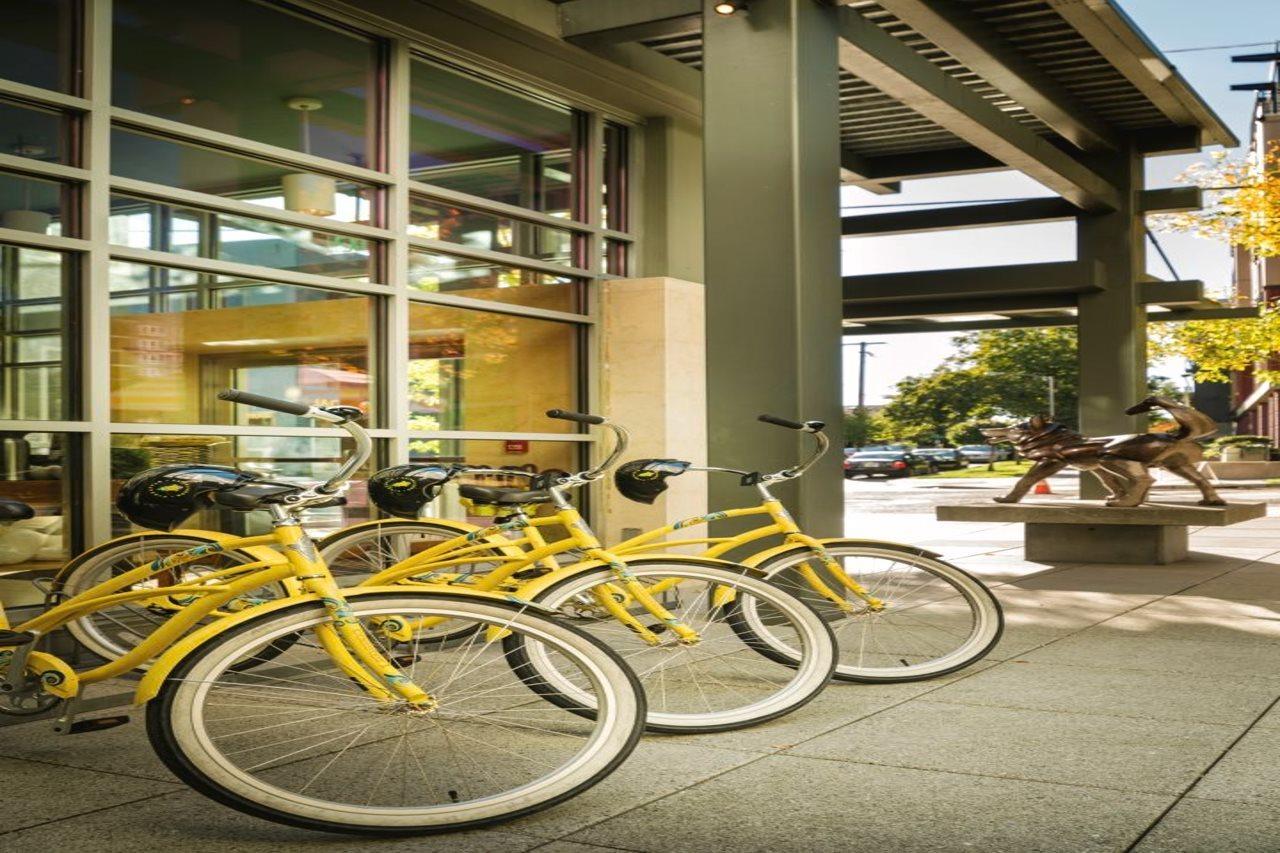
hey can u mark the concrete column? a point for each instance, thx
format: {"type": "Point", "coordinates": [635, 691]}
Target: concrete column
{"type": "Point", "coordinates": [671, 200]}
{"type": "Point", "coordinates": [1112, 322]}
{"type": "Point", "coordinates": [653, 373]}
{"type": "Point", "coordinates": [772, 162]}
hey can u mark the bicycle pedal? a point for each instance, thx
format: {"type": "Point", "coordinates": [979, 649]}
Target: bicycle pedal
{"type": "Point", "coordinates": [658, 628]}
{"type": "Point", "coordinates": [96, 724]}
{"type": "Point", "coordinates": [15, 638]}
{"type": "Point", "coordinates": [405, 660]}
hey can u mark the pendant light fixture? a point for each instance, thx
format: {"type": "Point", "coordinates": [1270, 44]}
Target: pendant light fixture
{"type": "Point", "coordinates": [307, 192]}
{"type": "Point", "coordinates": [24, 218]}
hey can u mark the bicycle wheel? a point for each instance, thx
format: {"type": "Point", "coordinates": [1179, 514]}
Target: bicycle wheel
{"type": "Point", "coordinates": [298, 742]}
{"type": "Point", "coordinates": [936, 619]}
{"type": "Point", "coordinates": [114, 631]}
{"type": "Point", "coordinates": [722, 681]}
{"type": "Point", "coordinates": [358, 553]}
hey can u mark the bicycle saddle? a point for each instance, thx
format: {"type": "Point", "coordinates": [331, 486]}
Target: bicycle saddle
{"type": "Point", "coordinates": [255, 494]}
{"type": "Point", "coordinates": [11, 510]}
{"type": "Point", "coordinates": [502, 497]}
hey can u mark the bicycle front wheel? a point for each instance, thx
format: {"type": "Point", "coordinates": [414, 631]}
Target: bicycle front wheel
{"type": "Point", "coordinates": [298, 742]}
{"type": "Point", "coordinates": [728, 678]}
{"type": "Point", "coordinates": [934, 619]}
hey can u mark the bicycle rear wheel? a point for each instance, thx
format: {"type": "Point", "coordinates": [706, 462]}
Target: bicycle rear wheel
{"type": "Point", "coordinates": [297, 742]}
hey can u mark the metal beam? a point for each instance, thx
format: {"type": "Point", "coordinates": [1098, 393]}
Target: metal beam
{"type": "Point", "coordinates": [955, 326]}
{"type": "Point", "coordinates": [989, 55]}
{"type": "Point", "coordinates": [928, 164]}
{"type": "Point", "coordinates": [1171, 200]}
{"type": "Point", "coordinates": [891, 66]}
{"type": "Point", "coordinates": [968, 216]}
{"type": "Point", "coordinates": [860, 312]}
{"type": "Point", "coordinates": [1069, 277]}
{"type": "Point", "coordinates": [1171, 293]}
{"type": "Point", "coordinates": [853, 171]}
{"type": "Point", "coordinates": [592, 23]}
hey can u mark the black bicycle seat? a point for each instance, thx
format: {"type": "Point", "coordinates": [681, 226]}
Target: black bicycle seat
{"type": "Point", "coordinates": [502, 497]}
{"type": "Point", "coordinates": [255, 495]}
{"type": "Point", "coordinates": [11, 510]}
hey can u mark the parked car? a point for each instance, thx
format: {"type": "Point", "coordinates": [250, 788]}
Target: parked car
{"type": "Point", "coordinates": [945, 458]}
{"type": "Point", "coordinates": [878, 448]}
{"type": "Point", "coordinates": [886, 463]}
{"type": "Point", "coordinates": [980, 452]}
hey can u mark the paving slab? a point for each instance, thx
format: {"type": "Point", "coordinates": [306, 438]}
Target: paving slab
{"type": "Point", "coordinates": [1142, 695]}
{"type": "Point", "coordinates": [572, 847]}
{"type": "Point", "coordinates": [1259, 581]}
{"type": "Point", "coordinates": [1133, 580]}
{"type": "Point", "coordinates": [1101, 649]}
{"type": "Point", "coordinates": [1048, 746]}
{"type": "Point", "coordinates": [124, 749]}
{"type": "Point", "coordinates": [36, 793]}
{"type": "Point", "coordinates": [1249, 773]}
{"type": "Point", "coordinates": [1198, 617]}
{"type": "Point", "coordinates": [1199, 826]}
{"type": "Point", "coordinates": [785, 803]}
{"type": "Point", "coordinates": [187, 821]}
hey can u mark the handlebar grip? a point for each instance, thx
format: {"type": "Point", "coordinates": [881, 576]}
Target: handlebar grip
{"type": "Point", "coordinates": [244, 398]}
{"type": "Point", "coordinates": [577, 417]}
{"type": "Point", "coordinates": [782, 422]}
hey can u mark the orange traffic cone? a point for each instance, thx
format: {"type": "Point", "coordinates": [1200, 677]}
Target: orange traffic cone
{"type": "Point", "coordinates": [1042, 488]}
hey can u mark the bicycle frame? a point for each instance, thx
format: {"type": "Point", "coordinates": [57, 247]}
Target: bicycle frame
{"type": "Point", "coordinates": [302, 573]}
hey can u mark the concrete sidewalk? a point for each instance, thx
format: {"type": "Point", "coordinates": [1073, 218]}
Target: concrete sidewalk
{"type": "Point", "coordinates": [1126, 708]}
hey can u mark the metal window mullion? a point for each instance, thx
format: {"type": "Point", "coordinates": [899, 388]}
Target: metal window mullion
{"type": "Point", "coordinates": [43, 97]}
{"type": "Point", "coordinates": [33, 240]}
{"type": "Point", "coordinates": [499, 208]}
{"type": "Point", "coordinates": [451, 301]}
{"type": "Point", "coordinates": [485, 435]}
{"type": "Point", "coordinates": [502, 258]}
{"type": "Point", "coordinates": [95, 296]}
{"type": "Point", "coordinates": [240, 145]}
{"type": "Point", "coordinates": [231, 430]}
{"type": "Point", "coordinates": [28, 167]}
{"type": "Point", "coordinates": [46, 426]}
{"type": "Point", "coordinates": [235, 269]}
{"type": "Point", "coordinates": [193, 198]}
{"type": "Point", "coordinates": [396, 336]}
{"type": "Point", "coordinates": [590, 337]}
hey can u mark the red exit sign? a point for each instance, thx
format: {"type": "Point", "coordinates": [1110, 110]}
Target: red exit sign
{"type": "Point", "coordinates": [516, 445]}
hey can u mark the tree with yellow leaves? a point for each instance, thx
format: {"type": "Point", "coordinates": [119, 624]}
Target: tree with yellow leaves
{"type": "Point", "coordinates": [1245, 211]}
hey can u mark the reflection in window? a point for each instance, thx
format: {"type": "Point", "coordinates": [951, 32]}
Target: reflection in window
{"type": "Point", "coordinates": [178, 337]}
{"type": "Point", "coordinates": [614, 187]}
{"type": "Point", "coordinates": [436, 273]}
{"type": "Point", "coordinates": [36, 501]}
{"type": "Point", "coordinates": [144, 157]}
{"type": "Point", "coordinates": [304, 460]}
{"type": "Point", "coordinates": [144, 224]}
{"type": "Point", "coordinates": [456, 224]}
{"type": "Point", "coordinates": [249, 70]}
{"type": "Point", "coordinates": [494, 143]}
{"type": "Point", "coordinates": [36, 43]}
{"type": "Point", "coordinates": [34, 132]}
{"type": "Point", "coordinates": [35, 205]}
{"type": "Point", "coordinates": [476, 370]}
{"type": "Point", "coordinates": [33, 297]}
{"type": "Point", "coordinates": [613, 258]}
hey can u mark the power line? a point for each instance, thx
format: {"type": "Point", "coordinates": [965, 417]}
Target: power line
{"type": "Point", "coordinates": [1219, 47]}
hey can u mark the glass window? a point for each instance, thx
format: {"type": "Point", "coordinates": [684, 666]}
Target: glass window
{"type": "Point", "coordinates": [436, 273]}
{"type": "Point", "coordinates": [145, 157]}
{"type": "Point", "coordinates": [613, 259]}
{"type": "Point", "coordinates": [294, 459]}
{"type": "Point", "coordinates": [475, 370]}
{"type": "Point", "coordinates": [179, 337]}
{"type": "Point", "coordinates": [614, 187]}
{"type": "Point", "coordinates": [470, 136]}
{"type": "Point", "coordinates": [35, 132]}
{"type": "Point", "coordinates": [36, 473]}
{"type": "Point", "coordinates": [36, 43]}
{"type": "Point", "coordinates": [250, 70]}
{"type": "Point", "coordinates": [34, 288]}
{"type": "Point", "coordinates": [456, 224]}
{"type": "Point", "coordinates": [36, 205]}
{"type": "Point", "coordinates": [145, 224]}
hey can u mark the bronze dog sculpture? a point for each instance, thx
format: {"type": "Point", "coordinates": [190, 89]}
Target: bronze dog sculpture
{"type": "Point", "coordinates": [1121, 462]}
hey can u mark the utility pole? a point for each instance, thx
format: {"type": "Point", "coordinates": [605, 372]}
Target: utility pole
{"type": "Point", "coordinates": [864, 351]}
{"type": "Point", "coordinates": [1053, 387]}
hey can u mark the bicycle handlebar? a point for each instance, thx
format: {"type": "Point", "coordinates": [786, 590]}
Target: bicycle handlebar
{"type": "Point", "coordinates": [354, 461]}
{"type": "Point", "coordinates": [620, 435]}
{"type": "Point", "coordinates": [814, 428]}
{"type": "Point", "coordinates": [576, 417]}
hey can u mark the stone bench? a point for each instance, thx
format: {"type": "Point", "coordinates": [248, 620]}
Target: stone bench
{"type": "Point", "coordinates": [1089, 532]}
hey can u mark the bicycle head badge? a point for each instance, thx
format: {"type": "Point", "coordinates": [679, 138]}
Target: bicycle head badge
{"type": "Point", "coordinates": [642, 480]}
{"type": "Point", "coordinates": [403, 489]}
{"type": "Point", "coordinates": [162, 498]}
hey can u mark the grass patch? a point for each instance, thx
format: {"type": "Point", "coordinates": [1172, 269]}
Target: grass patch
{"type": "Point", "coordinates": [1006, 468]}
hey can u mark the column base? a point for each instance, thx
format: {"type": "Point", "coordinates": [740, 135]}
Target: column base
{"type": "Point", "coordinates": [1144, 544]}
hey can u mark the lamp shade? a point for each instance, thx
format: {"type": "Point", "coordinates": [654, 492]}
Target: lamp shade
{"type": "Point", "coordinates": [306, 192]}
{"type": "Point", "coordinates": [35, 221]}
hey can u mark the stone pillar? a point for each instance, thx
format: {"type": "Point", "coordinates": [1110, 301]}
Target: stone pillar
{"type": "Point", "coordinates": [653, 381]}
{"type": "Point", "coordinates": [1113, 321]}
{"type": "Point", "coordinates": [772, 174]}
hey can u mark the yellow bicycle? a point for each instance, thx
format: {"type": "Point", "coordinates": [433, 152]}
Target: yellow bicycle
{"type": "Point", "coordinates": [305, 710]}
{"type": "Point", "coordinates": [715, 646]}
{"type": "Point", "coordinates": [899, 612]}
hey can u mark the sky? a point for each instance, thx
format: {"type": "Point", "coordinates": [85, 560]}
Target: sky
{"type": "Point", "coordinates": [1172, 25]}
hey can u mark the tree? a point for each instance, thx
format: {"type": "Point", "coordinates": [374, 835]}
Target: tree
{"type": "Point", "coordinates": [1217, 347]}
{"type": "Point", "coordinates": [1244, 203]}
{"type": "Point", "coordinates": [862, 427]}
